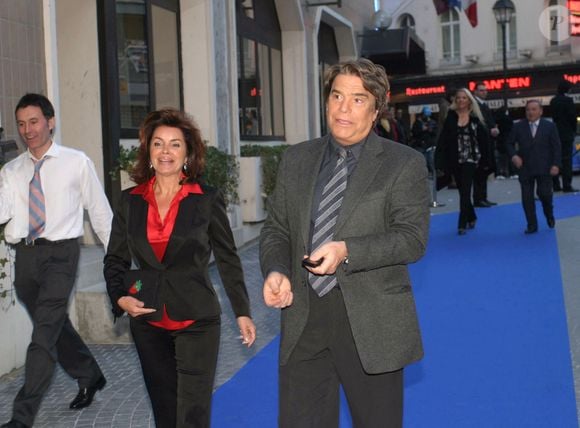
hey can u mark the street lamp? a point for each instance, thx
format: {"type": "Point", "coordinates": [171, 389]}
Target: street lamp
{"type": "Point", "coordinates": [503, 10]}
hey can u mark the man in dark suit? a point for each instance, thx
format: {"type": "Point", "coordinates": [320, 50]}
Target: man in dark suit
{"type": "Point", "coordinates": [348, 310]}
{"type": "Point", "coordinates": [564, 115]}
{"type": "Point", "coordinates": [483, 171]}
{"type": "Point", "coordinates": [534, 147]}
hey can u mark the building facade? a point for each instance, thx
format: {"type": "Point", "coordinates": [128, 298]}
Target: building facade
{"type": "Point", "coordinates": [541, 49]}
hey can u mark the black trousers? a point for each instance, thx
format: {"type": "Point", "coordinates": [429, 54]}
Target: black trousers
{"type": "Point", "coordinates": [179, 370]}
{"type": "Point", "coordinates": [480, 184]}
{"type": "Point", "coordinates": [464, 175]}
{"type": "Point", "coordinates": [544, 191]}
{"type": "Point", "coordinates": [566, 171]}
{"type": "Point", "coordinates": [326, 357]}
{"type": "Point", "coordinates": [44, 278]}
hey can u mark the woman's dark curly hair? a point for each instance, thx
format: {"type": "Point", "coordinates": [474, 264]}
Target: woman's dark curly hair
{"type": "Point", "coordinates": [195, 161]}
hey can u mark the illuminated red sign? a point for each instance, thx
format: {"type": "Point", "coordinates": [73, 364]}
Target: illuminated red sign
{"type": "Point", "coordinates": [413, 92]}
{"type": "Point", "coordinates": [498, 84]}
{"type": "Point", "coordinates": [575, 78]}
{"type": "Point", "coordinates": [574, 8]}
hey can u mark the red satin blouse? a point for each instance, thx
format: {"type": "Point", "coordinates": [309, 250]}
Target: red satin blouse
{"type": "Point", "coordinates": [159, 231]}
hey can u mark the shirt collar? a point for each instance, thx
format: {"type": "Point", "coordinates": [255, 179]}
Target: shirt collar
{"type": "Point", "coordinates": [355, 149]}
{"type": "Point", "coordinates": [146, 189]}
{"type": "Point", "coordinates": [52, 152]}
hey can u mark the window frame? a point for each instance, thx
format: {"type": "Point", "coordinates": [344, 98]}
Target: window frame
{"type": "Point", "coordinates": [452, 26]}
{"type": "Point", "coordinates": [263, 33]}
{"type": "Point", "coordinates": [172, 6]}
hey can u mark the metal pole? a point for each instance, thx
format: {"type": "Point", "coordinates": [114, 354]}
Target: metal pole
{"type": "Point", "coordinates": [504, 65]}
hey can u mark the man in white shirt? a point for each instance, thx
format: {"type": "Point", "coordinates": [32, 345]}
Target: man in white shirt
{"type": "Point", "coordinates": [43, 194]}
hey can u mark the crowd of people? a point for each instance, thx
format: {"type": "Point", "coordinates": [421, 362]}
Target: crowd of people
{"type": "Point", "coordinates": [471, 142]}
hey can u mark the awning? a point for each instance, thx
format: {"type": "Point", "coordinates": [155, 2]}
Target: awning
{"type": "Point", "coordinates": [399, 50]}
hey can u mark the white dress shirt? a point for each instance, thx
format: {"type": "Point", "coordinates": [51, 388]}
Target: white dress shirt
{"type": "Point", "coordinates": [70, 185]}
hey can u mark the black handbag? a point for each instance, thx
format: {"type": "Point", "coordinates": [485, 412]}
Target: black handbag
{"type": "Point", "coordinates": [144, 285]}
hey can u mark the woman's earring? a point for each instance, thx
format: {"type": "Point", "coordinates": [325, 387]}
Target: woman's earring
{"type": "Point", "coordinates": [150, 165]}
{"type": "Point", "coordinates": [185, 167]}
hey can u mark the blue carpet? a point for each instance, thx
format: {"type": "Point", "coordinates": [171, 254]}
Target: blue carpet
{"type": "Point", "coordinates": [494, 327]}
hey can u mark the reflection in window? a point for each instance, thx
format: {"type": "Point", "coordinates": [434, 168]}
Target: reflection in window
{"type": "Point", "coordinates": [248, 8]}
{"type": "Point", "coordinates": [260, 89]}
{"type": "Point", "coordinates": [133, 57]}
{"type": "Point", "coordinates": [148, 59]}
{"type": "Point", "coordinates": [450, 36]}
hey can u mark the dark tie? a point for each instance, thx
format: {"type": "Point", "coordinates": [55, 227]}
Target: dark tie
{"type": "Point", "coordinates": [330, 202]}
{"type": "Point", "coordinates": [36, 212]}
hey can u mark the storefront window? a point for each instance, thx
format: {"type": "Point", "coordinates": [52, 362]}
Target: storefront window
{"type": "Point", "coordinates": [450, 37]}
{"type": "Point", "coordinates": [146, 83]}
{"type": "Point", "coordinates": [260, 82]}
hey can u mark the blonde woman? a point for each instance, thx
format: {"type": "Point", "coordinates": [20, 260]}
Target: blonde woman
{"type": "Point", "coordinates": [461, 147]}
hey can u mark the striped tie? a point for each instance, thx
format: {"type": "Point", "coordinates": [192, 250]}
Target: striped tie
{"type": "Point", "coordinates": [328, 210]}
{"type": "Point", "coordinates": [36, 213]}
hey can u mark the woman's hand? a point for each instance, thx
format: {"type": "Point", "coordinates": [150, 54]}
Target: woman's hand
{"type": "Point", "coordinates": [247, 330]}
{"type": "Point", "coordinates": [133, 306]}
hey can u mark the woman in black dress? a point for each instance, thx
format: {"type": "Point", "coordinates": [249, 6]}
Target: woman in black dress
{"type": "Point", "coordinates": [462, 145]}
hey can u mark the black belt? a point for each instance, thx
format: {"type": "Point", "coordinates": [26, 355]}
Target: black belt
{"type": "Point", "coordinates": [43, 241]}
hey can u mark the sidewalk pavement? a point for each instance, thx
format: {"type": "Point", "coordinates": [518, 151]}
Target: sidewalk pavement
{"type": "Point", "coordinates": [124, 402]}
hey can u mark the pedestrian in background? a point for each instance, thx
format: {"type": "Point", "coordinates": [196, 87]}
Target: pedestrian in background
{"type": "Point", "coordinates": [534, 148]}
{"type": "Point", "coordinates": [461, 149]}
{"type": "Point", "coordinates": [43, 195]}
{"type": "Point", "coordinates": [168, 226]}
{"type": "Point", "coordinates": [484, 169]}
{"type": "Point", "coordinates": [564, 116]}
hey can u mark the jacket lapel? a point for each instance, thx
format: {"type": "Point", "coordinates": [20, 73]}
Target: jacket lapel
{"type": "Point", "coordinates": [188, 208]}
{"type": "Point", "coordinates": [307, 173]}
{"type": "Point", "coordinates": [367, 168]}
{"type": "Point", "coordinates": [138, 230]}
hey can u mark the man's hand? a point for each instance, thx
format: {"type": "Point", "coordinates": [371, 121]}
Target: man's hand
{"type": "Point", "coordinates": [517, 161]}
{"type": "Point", "coordinates": [554, 170]}
{"type": "Point", "coordinates": [333, 253]}
{"type": "Point", "coordinates": [277, 290]}
{"type": "Point", "coordinates": [133, 307]}
{"type": "Point", "coordinates": [494, 131]}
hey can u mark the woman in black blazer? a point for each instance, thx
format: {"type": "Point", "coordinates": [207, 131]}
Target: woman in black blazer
{"type": "Point", "coordinates": [166, 228]}
{"type": "Point", "coordinates": [462, 145]}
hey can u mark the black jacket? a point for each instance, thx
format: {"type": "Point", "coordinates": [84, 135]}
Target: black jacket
{"type": "Point", "coordinates": [446, 154]}
{"type": "Point", "coordinates": [564, 116]}
{"type": "Point", "coordinates": [201, 226]}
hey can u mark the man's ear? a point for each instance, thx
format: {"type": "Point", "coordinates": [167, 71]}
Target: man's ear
{"type": "Point", "coordinates": [51, 125]}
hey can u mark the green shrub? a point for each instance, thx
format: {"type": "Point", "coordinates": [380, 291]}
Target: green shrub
{"type": "Point", "coordinates": [271, 157]}
{"type": "Point", "coordinates": [223, 172]}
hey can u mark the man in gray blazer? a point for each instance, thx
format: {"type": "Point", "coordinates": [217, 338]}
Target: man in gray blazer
{"type": "Point", "coordinates": [338, 270]}
{"type": "Point", "coordinates": [534, 148]}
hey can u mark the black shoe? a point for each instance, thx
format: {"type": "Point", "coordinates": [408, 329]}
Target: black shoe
{"type": "Point", "coordinates": [491, 204]}
{"type": "Point", "coordinates": [551, 222]}
{"type": "Point", "coordinates": [461, 231]}
{"type": "Point", "coordinates": [557, 189]}
{"type": "Point", "coordinates": [85, 396]}
{"type": "Point", "coordinates": [481, 204]}
{"type": "Point", "coordinates": [13, 424]}
{"type": "Point", "coordinates": [471, 224]}
{"type": "Point", "coordinates": [570, 190]}
{"type": "Point", "coordinates": [530, 230]}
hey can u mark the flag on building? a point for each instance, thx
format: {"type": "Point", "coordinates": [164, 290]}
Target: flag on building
{"type": "Point", "coordinates": [441, 6]}
{"type": "Point", "coordinates": [470, 8]}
